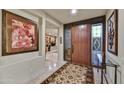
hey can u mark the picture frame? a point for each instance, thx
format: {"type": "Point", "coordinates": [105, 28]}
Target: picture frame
{"type": "Point", "coordinates": [112, 33]}
{"type": "Point", "coordinates": [19, 34]}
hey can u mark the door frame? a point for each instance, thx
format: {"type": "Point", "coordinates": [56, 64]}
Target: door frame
{"type": "Point", "coordinates": [95, 20]}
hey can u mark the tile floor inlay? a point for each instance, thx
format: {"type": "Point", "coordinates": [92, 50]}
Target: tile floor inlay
{"type": "Point", "coordinates": [71, 74]}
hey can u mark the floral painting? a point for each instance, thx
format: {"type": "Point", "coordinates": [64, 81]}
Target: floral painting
{"type": "Point", "coordinates": [23, 35]}
{"type": "Point", "coordinates": [19, 34]}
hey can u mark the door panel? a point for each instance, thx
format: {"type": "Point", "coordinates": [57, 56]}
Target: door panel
{"type": "Point", "coordinates": [81, 44]}
{"type": "Point", "coordinates": [75, 44]}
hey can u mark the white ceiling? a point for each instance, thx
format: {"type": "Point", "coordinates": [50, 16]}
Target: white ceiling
{"type": "Point", "coordinates": [64, 15]}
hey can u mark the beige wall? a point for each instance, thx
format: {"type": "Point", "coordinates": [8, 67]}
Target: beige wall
{"type": "Point", "coordinates": [120, 58]}
{"type": "Point", "coordinates": [22, 68]}
{"type": "Point", "coordinates": [52, 31]}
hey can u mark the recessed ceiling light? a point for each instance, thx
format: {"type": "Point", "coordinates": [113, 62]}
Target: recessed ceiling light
{"type": "Point", "coordinates": [74, 11]}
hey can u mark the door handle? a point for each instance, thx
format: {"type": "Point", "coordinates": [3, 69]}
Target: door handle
{"type": "Point", "coordinates": [72, 48]}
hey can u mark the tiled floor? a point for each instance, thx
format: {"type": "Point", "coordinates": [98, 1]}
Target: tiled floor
{"type": "Point", "coordinates": [50, 68]}
{"type": "Point", "coordinates": [97, 75]}
{"type": "Point", "coordinates": [51, 65]}
{"type": "Point", "coordinates": [52, 56]}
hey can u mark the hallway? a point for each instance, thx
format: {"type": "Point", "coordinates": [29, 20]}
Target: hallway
{"type": "Point", "coordinates": [61, 46]}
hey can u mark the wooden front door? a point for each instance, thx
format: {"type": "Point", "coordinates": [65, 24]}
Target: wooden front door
{"type": "Point", "coordinates": [81, 44]}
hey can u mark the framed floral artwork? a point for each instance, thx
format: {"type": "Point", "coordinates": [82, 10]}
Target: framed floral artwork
{"type": "Point", "coordinates": [19, 34]}
{"type": "Point", "coordinates": [112, 33]}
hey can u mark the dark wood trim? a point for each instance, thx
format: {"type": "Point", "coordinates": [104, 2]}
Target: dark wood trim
{"type": "Point", "coordinates": [90, 46]}
{"type": "Point", "coordinates": [87, 21]}
{"type": "Point", "coordinates": [104, 40]}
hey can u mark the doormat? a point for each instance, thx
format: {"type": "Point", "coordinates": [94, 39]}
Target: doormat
{"type": "Point", "coordinates": [71, 74]}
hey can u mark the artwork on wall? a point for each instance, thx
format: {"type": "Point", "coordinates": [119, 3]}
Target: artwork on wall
{"type": "Point", "coordinates": [19, 34]}
{"type": "Point", "coordinates": [112, 33]}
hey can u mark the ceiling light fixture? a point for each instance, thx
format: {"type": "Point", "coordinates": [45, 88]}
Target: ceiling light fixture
{"type": "Point", "coordinates": [74, 11]}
